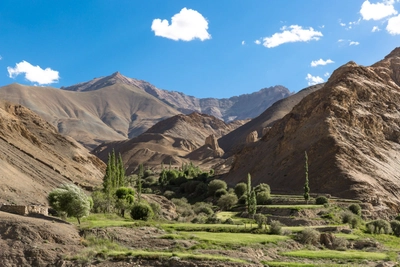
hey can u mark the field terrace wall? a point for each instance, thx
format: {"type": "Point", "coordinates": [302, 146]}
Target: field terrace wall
{"type": "Point", "coordinates": [24, 210]}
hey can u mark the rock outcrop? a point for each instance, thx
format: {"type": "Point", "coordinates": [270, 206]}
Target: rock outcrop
{"type": "Point", "coordinates": [350, 130]}
{"type": "Point", "coordinates": [252, 137]}
{"type": "Point", "coordinates": [212, 142]}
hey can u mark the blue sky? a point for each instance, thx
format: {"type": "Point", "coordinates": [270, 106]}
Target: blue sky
{"type": "Point", "coordinates": [210, 49]}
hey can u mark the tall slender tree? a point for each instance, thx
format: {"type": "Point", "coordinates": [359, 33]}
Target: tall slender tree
{"type": "Point", "coordinates": [306, 185]}
{"type": "Point", "coordinates": [248, 193]}
{"type": "Point", "coordinates": [121, 171]}
{"type": "Point", "coordinates": [139, 184]}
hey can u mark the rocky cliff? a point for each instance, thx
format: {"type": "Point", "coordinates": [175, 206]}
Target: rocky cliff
{"type": "Point", "coordinates": [350, 130]}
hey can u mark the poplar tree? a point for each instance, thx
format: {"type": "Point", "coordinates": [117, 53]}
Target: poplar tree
{"type": "Point", "coordinates": [139, 185]}
{"type": "Point", "coordinates": [306, 186]}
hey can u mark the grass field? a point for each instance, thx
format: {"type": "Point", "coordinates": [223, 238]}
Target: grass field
{"type": "Point", "coordinates": [334, 254]}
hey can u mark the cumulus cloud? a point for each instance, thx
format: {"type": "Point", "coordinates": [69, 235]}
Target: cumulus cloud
{"type": "Point", "coordinates": [327, 74]}
{"type": "Point", "coordinates": [312, 80]}
{"type": "Point", "coordinates": [393, 26]}
{"type": "Point", "coordinates": [375, 29]}
{"type": "Point", "coordinates": [377, 11]}
{"type": "Point", "coordinates": [34, 74]}
{"type": "Point", "coordinates": [291, 34]}
{"type": "Point", "coordinates": [321, 62]}
{"type": "Point", "coordinates": [257, 42]}
{"type": "Point", "coordinates": [187, 25]}
{"type": "Point", "coordinates": [354, 43]}
{"type": "Point", "coordinates": [243, 42]}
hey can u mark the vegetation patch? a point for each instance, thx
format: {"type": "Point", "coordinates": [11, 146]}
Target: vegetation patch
{"type": "Point", "coordinates": [333, 254]}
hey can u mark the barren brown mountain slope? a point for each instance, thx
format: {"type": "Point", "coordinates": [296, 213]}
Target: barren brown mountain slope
{"type": "Point", "coordinates": [168, 141]}
{"type": "Point", "coordinates": [237, 138]}
{"type": "Point", "coordinates": [35, 158]}
{"type": "Point", "coordinates": [234, 108]}
{"type": "Point", "coordinates": [350, 130]}
{"type": "Point", "coordinates": [115, 112]}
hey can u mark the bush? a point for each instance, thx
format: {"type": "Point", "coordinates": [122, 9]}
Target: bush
{"type": "Point", "coordinates": [156, 209]}
{"type": "Point", "coordinates": [220, 192]}
{"type": "Point", "coordinates": [356, 209]}
{"type": "Point", "coordinates": [202, 207]}
{"type": "Point", "coordinates": [147, 173]}
{"type": "Point", "coordinates": [309, 236]}
{"type": "Point", "coordinates": [275, 228]}
{"type": "Point", "coordinates": [377, 226]}
{"type": "Point", "coordinates": [397, 218]}
{"type": "Point", "coordinates": [201, 189]}
{"type": "Point", "coordinates": [216, 184]}
{"type": "Point", "coordinates": [229, 221]}
{"type": "Point", "coordinates": [340, 243]}
{"type": "Point", "coordinates": [190, 186]}
{"type": "Point", "coordinates": [260, 220]}
{"type": "Point", "coordinates": [227, 201]}
{"type": "Point", "coordinates": [242, 200]}
{"type": "Point", "coordinates": [347, 216]}
{"type": "Point", "coordinates": [213, 220]}
{"type": "Point", "coordinates": [201, 218]}
{"type": "Point", "coordinates": [183, 208]}
{"type": "Point", "coordinates": [356, 222]}
{"type": "Point", "coordinates": [262, 188]}
{"type": "Point", "coordinates": [240, 189]}
{"type": "Point", "coordinates": [142, 211]}
{"type": "Point", "coordinates": [321, 200]}
{"type": "Point", "coordinates": [395, 224]}
{"type": "Point", "coordinates": [263, 198]}
{"type": "Point", "coordinates": [169, 194]}
{"type": "Point", "coordinates": [147, 191]}
{"type": "Point", "coordinates": [150, 181]}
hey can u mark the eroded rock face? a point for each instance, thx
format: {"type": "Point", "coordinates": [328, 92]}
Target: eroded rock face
{"type": "Point", "coordinates": [252, 137]}
{"type": "Point", "coordinates": [212, 142]}
{"type": "Point", "coordinates": [350, 130]}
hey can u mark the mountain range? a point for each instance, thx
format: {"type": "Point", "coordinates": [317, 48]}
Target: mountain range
{"type": "Point", "coordinates": [118, 108]}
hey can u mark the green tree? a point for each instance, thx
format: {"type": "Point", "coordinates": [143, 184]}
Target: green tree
{"type": "Point", "coordinates": [121, 171]}
{"type": "Point", "coordinates": [125, 199]}
{"type": "Point", "coordinates": [306, 186]}
{"type": "Point", "coordinates": [252, 203]}
{"type": "Point", "coordinates": [216, 184]}
{"type": "Point", "coordinates": [240, 189]}
{"type": "Point", "coordinates": [227, 201]}
{"type": "Point", "coordinates": [139, 183]}
{"type": "Point", "coordinates": [71, 200]}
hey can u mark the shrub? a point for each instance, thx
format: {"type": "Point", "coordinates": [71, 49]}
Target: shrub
{"type": "Point", "coordinates": [395, 224]}
{"type": "Point", "coordinates": [156, 209]}
{"type": "Point", "coordinates": [242, 200]}
{"type": "Point", "coordinates": [263, 198]}
{"type": "Point", "coordinates": [229, 221]}
{"type": "Point", "coordinates": [309, 236]}
{"type": "Point", "coordinates": [321, 200]}
{"type": "Point", "coordinates": [347, 216]}
{"type": "Point", "coordinates": [147, 173]}
{"type": "Point", "coordinates": [377, 226]}
{"type": "Point", "coordinates": [190, 186]}
{"type": "Point", "coordinates": [147, 190]}
{"type": "Point", "coordinates": [260, 220]}
{"type": "Point", "coordinates": [275, 228]}
{"type": "Point", "coordinates": [141, 211]}
{"type": "Point", "coordinates": [340, 243]}
{"type": "Point", "coordinates": [202, 207]}
{"type": "Point", "coordinates": [262, 188]}
{"type": "Point", "coordinates": [216, 184]}
{"type": "Point", "coordinates": [227, 201]}
{"type": "Point", "coordinates": [355, 222]}
{"type": "Point", "coordinates": [240, 189]}
{"type": "Point", "coordinates": [169, 194]}
{"type": "Point", "coordinates": [220, 192]}
{"type": "Point", "coordinates": [356, 209]}
{"type": "Point", "coordinates": [213, 220]}
{"type": "Point", "coordinates": [183, 208]}
{"type": "Point", "coordinates": [201, 189]}
{"type": "Point", "coordinates": [397, 218]}
{"type": "Point", "coordinates": [150, 181]}
{"type": "Point", "coordinates": [201, 218]}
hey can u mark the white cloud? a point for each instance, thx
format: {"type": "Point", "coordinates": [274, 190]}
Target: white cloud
{"type": "Point", "coordinates": [257, 42]}
{"type": "Point", "coordinates": [1, 57]}
{"type": "Point", "coordinates": [377, 11]}
{"type": "Point", "coordinates": [321, 62]}
{"type": "Point", "coordinates": [341, 40]}
{"type": "Point", "coordinates": [291, 34]}
{"type": "Point", "coordinates": [375, 29]}
{"type": "Point", "coordinates": [34, 74]}
{"type": "Point", "coordinates": [187, 25]}
{"type": "Point", "coordinates": [327, 74]}
{"type": "Point", "coordinates": [393, 26]}
{"type": "Point", "coordinates": [312, 80]}
{"type": "Point", "coordinates": [243, 42]}
{"type": "Point", "coordinates": [354, 43]}
{"type": "Point", "coordinates": [342, 24]}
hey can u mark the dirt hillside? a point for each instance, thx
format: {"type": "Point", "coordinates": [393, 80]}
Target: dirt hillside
{"type": "Point", "coordinates": [168, 141]}
{"type": "Point", "coordinates": [350, 130]}
{"type": "Point", "coordinates": [35, 158]}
